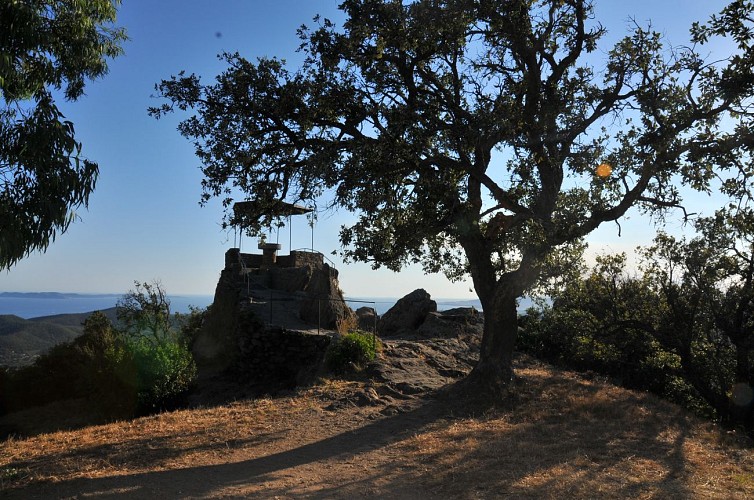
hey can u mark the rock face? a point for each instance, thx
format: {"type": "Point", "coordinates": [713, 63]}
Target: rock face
{"type": "Point", "coordinates": [407, 314]}
{"type": "Point", "coordinates": [215, 347]}
{"type": "Point", "coordinates": [443, 349]}
{"type": "Point", "coordinates": [451, 323]}
{"type": "Point", "coordinates": [269, 324]}
{"type": "Point", "coordinates": [324, 303]}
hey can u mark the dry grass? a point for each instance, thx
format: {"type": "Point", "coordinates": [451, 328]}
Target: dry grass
{"type": "Point", "coordinates": [562, 436]}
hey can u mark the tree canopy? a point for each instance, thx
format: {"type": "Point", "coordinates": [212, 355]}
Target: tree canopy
{"type": "Point", "coordinates": [46, 47]}
{"type": "Point", "coordinates": [465, 134]}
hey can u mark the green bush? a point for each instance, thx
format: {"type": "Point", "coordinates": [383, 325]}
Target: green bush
{"type": "Point", "coordinates": [165, 372]}
{"type": "Point", "coordinates": [351, 351]}
{"type": "Point", "coordinates": [192, 323]}
{"type": "Point", "coordinates": [614, 324]}
{"type": "Point", "coordinates": [118, 374]}
{"type": "Point", "coordinates": [94, 366]}
{"type": "Point", "coordinates": [163, 367]}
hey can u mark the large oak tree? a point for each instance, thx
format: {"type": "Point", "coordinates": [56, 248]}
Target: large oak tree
{"type": "Point", "coordinates": [466, 133]}
{"type": "Point", "coordinates": [46, 46]}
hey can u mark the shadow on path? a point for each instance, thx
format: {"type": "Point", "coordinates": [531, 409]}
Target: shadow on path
{"type": "Point", "coordinates": [204, 480]}
{"type": "Point", "coordinates": [493, 465]}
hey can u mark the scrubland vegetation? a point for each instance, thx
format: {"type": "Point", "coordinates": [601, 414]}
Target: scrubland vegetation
{"type": "Point", "coordinates": [139, 366]}
{"type": "Point", "coordinates": [682, 326]}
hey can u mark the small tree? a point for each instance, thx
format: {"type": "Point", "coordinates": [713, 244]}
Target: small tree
{"type": "Point", "coordinates": [164, 367]}
{"type": "Point", "coordinates": [466, 133]}
{"type": "Point", "coordinates": [45, 45]}
{"type": "Point", "coordinates": [145, 312]}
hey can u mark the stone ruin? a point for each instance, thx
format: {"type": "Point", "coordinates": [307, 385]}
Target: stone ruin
{"type": "Point", "coordinates": [272, 318]}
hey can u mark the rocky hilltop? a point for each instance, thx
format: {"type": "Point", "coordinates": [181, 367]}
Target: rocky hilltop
{"type": "Point", "coordinates": [273, 318]}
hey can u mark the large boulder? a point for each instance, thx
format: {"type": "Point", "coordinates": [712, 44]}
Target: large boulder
{"type": "Point", "coordinates": [407, 314]}
{"type": "Point", "coordinates": [452, 323]}
{"type": "Point", "coordinates": [366, 318]}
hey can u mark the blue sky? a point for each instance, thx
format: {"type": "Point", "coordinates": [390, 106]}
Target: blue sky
{"type": "Point", "coordinates": [144, 222]}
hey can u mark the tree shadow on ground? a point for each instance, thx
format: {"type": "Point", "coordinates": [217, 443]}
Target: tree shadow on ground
{"type": "Point", "coordinates": [577, 447]}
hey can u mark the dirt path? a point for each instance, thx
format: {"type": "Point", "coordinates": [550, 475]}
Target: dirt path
{"type": "Point", "coordinates": [312, 444]}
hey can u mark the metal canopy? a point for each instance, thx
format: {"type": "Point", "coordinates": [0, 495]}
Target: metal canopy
{"type": "Point", "coordinates": [244, 211]}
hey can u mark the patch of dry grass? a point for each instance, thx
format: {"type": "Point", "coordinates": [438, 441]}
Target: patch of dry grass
{"type": "Point", "coordinates": [562, 436]}
{"type": "Point", "coordinates": [570, 437]}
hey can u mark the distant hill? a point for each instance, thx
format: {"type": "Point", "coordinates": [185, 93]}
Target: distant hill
{"type": "Point", "coordinates": [51, 295]}
{"type": "Point", "coordinates": [22, 340]}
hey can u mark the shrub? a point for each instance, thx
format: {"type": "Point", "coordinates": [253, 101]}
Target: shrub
{"type": "Point", "coordinates": [352, 350]}
{"type": "Point", "coordinates": [94, 366]}
{"type": "Point", "coordinates": [191, 324]}
{"type": "Point", "coordinates": [120, 373]}
{"type": "Point", "coordinates": [163, 367]}
{"type": "Point", "coordinates": [621, 326]}
{"type": "Point", "coordinates": [165, 372]}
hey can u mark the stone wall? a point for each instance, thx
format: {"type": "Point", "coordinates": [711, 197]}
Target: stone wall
{"type": "Point", "coordinates": [281, 359]}
{"type": "Point", "coordinates": [242, 331]}
{"type": "Point", "coordinates": [297, 258]}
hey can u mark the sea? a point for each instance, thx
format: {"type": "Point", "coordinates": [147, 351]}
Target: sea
{"type": "Point", "coordinates": [36, 305]}
{"type": "Point", "coordinates": [382, 304]}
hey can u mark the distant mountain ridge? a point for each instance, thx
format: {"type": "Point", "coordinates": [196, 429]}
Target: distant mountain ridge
{"type": "Point", "coordinates": [22, 340]}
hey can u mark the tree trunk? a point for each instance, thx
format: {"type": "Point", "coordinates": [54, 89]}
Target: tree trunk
{"type": "Point", "coordinates": [494, 371]}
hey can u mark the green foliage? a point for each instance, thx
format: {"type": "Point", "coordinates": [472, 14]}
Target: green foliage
{"type": "Point", "coordinates": [192, 323]}
{"type": "Point", "coordinates": [165, 372]}
{"type": "Point", "coordinates": [144, 367]}
{"type": "Point", "coordinates": [164, 367]}
{"type": "Point", "coordinates": [684, 329]}
{"type": "Point", "coordinates": [46, 46]}
{"type": "Point", "coordinates": [604, 322]}
{"type": "Point", "coordinates": [145, 312]}
{"type": "Point", "coordinates": [351, 351]}
{"type": "Point", "coordinates": [707, 284]}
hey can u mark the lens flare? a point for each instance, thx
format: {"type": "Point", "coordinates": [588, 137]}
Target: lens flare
{"type": "Point", "coordinates": [604, 170]}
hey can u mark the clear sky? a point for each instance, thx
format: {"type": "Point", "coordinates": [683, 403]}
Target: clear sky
{"type": "Point", "coordinates": [144, 221]}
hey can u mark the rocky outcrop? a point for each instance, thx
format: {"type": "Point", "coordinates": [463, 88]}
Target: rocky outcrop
{"type": "Point", "coordinates": [407, 314]}
{"type": "Point", "coordinates": [324, 303]}
{"type": "Point", "coordinates": [215, 347]}
{"type": "Point", "coordinates": [444, 348]}
{"type": "Point", "coordinates": [451, 323]}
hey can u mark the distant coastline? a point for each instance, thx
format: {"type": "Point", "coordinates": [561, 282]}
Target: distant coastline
{"type": "Point", "coordinates": [29, 305]}
{"type": "Point", "coordinates": [54, 295]}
